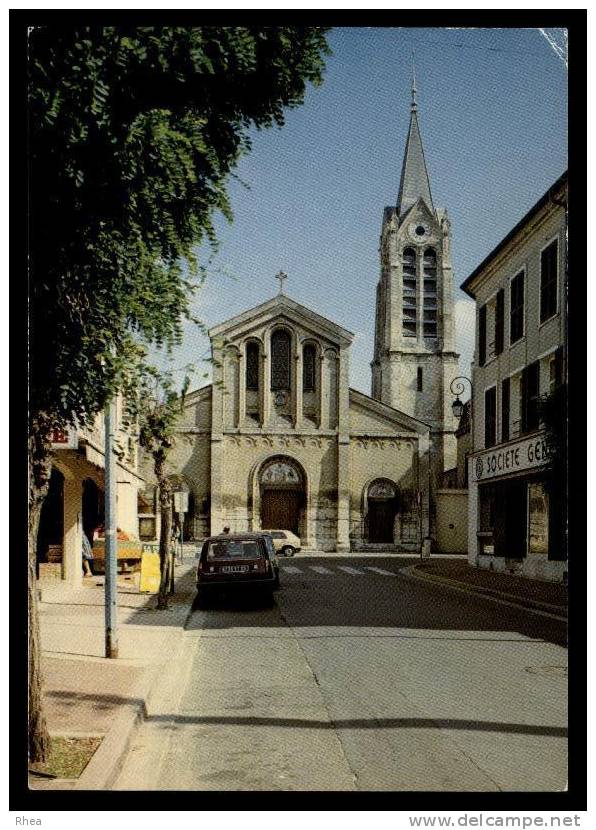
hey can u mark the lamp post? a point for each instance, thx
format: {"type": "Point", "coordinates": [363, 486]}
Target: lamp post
{"type": "Point", "coordinates": [457, 388]}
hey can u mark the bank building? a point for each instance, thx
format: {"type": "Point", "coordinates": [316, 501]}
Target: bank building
{"type": "Point", "coordinates": [280, 440]}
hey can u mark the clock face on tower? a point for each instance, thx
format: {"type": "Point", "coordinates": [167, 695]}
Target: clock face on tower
{"type": "Point", "coordinates": [419, 231]}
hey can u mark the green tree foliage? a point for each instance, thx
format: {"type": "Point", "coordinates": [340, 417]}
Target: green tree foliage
{"type": "Point", "coordinates": [154, 406]}
{"type": "Point", "coordinates": [133, 132]}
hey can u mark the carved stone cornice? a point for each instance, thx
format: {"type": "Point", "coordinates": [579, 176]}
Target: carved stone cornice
{"type": "Point", "coordinates": [279, 442]}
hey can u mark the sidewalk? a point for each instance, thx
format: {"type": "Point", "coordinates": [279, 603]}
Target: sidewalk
{"type": "Point", "coordinates": [549, 597]}
{"type": "Point", "coordinates": [86, 694]}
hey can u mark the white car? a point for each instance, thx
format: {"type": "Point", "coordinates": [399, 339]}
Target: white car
{"type": "Point", "coordinates": [286, 543]}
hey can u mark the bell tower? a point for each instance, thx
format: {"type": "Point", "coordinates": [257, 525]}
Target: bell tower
{"type": "Point", "coordinates": [414, 353]}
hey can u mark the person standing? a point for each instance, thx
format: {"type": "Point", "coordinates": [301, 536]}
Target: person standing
{"type": "Point", "coordinates": [87, 552]}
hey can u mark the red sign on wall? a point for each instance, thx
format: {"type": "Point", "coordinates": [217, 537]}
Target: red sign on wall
{"type": "Point", "coordinates": [64, 439]}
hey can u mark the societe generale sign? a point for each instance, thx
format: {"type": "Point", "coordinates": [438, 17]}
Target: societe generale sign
{"type": "Point", "coordinates": [516, 456]}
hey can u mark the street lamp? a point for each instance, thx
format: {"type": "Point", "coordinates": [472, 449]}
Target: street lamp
{"type": "Point", "coordinates": [457, 389]}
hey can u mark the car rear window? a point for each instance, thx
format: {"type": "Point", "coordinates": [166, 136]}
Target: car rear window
{"type": "Point", "coordinates": [234, 549]}
{"type": "Point", "coordinates": [277, 534]}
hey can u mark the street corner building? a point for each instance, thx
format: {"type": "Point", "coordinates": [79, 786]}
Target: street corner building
{"type": "Point", "coordinates": [279, 440]}
{"type": "Point", "coordinates": [74, 504]}
{"type": "Point", "coordinates": [517, 499]}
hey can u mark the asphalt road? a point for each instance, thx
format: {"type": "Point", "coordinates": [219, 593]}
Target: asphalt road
{"type": "Point", "coordinates": [359, 678]}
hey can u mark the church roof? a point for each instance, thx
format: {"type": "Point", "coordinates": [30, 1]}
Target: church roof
{"type": "Point", "coordinates": [281, 303]}
{"type": "Point", "coordinates": [388, 412]}
{"type": "Point", "coordinates": [414, 183]}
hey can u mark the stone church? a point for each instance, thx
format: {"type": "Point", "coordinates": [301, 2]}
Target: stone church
{"type": "Point", "coordinates": [279, 440]}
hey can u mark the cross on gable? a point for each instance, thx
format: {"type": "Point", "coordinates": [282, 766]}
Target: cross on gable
{"type": "Point", "coordinates": [281, 276]}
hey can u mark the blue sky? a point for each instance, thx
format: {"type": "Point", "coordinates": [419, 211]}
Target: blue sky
{"type": "Point", "coordinates": [309, 197]}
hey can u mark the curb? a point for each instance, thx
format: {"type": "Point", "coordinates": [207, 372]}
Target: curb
{"type": "Point", "coordinates": [104, 767]}
{"type": "Point", "coordinates": [536, 607]}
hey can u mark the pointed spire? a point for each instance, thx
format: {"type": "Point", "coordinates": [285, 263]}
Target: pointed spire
{"type": "Point", "coordinates": [414, 182]}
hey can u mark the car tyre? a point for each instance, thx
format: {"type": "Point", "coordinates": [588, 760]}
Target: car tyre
{"type": "Point", "coordinates": [288, 550]}
{"type": "Point", "coordinates": [200, 601]}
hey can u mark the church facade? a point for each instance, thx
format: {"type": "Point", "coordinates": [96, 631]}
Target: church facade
{"type": "Point", "coordinates": [279, 440]}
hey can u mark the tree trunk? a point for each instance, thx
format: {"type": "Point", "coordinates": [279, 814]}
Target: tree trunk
{"type": "Point", "coordinates": [165, 536]}
{"type": "Point", "coordinates": [40, 468]}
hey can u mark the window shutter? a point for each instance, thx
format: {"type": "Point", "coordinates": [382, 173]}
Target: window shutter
{"type": "Point", "coordinates": [500, 321]}
{"type": "Point", "coordinates": [482, 336]}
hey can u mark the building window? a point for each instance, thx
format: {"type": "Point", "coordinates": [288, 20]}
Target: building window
{"type": "Point", "coordinates": [516, 326]}
{"type": "Point", "coordinates": [308, 368]}
{"type": "Point", "coordinates": [419, 379]}
{"type": "Point", "coordinates": [252, 366]}
{"type": "Point", "coordinates": [549, 259]}
{"type": "Point", "coordinates": [409, 307]}
{"type": "Point", "coordinates": [530, 390]}
{"type": "Point", "coordinates": [505, 397]}
{"type": "Point", "coordinates": [490, 417]}
{"type": "Point", "coordinates": [500, 321]}
{"type": "Point", "coordinates": [281, 346]}
{"type": "Point", "coordinates": [482, 336]}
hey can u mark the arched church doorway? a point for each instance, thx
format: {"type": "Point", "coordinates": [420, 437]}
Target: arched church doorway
{"type": "Point", "coordinates": [283, 495]}
{"type": "Point", "coordinates": [382, 502]}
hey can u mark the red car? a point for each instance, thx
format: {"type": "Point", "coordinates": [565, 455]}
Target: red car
{"type": "Point", "coordinates": [239, 562]}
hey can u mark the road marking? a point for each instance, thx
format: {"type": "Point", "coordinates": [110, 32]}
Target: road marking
{"type": "Point", "coordinates": [320, 569]}
{"type": "Point", "coordinates": [349, 570]}
{"type": "Point", "coordinates": [290, 569]}
{"type": "Point", "coordinates": [379, 570]}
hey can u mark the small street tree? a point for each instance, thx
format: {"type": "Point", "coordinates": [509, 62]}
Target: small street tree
{"type": "Point", "coordinates": [155, 405]}
{"type": "Point", "coordinates": [133, 132]}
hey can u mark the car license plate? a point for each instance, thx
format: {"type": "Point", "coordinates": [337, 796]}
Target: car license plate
{"type": "Point", "coordinates": [234, 569]}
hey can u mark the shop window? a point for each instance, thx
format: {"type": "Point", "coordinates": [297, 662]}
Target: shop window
{"type": "Point", "coordinates": [147, 528]}
{"type": "Point", "coordinates": [147, 500]}
{"type": "Point", "coordinates": [280, 360]}
{"type": "Point", "coordinates": [530, 391]}
{"type": "Point", "coordinates": [537, 518]}
{"type": "Point", "coordinates": [482, 336]}
{"type": "Point", "coordinates": [505, 408]}
{"type": "Point", "coordinates": [252, 366]}
{"type": "Point", "coordinates": [486, 521]}
{"type": "Point", "coordinates": [308, 368]}
{"type": "Point", "coordinates": [549, 259]}
{"type": "Point", "coordinates": [500, 321]}
{"type": "Point", "coordinates": [516, 322]}
{"type": "Point", "coordinates": [490, 417]}
{"type": "Point", "coordinates": [147, 509]}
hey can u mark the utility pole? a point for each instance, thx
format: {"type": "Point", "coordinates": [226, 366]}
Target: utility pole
{"type": "Point", "coordinates": [111, 536]}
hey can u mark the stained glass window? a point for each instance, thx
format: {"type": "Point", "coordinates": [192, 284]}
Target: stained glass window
{"type": "Point", "coordinates": [308, 368]}
{"type": "Point", "coordinates": [252, 366]}
{"type": "Point", "coordinates": [280, 360]}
